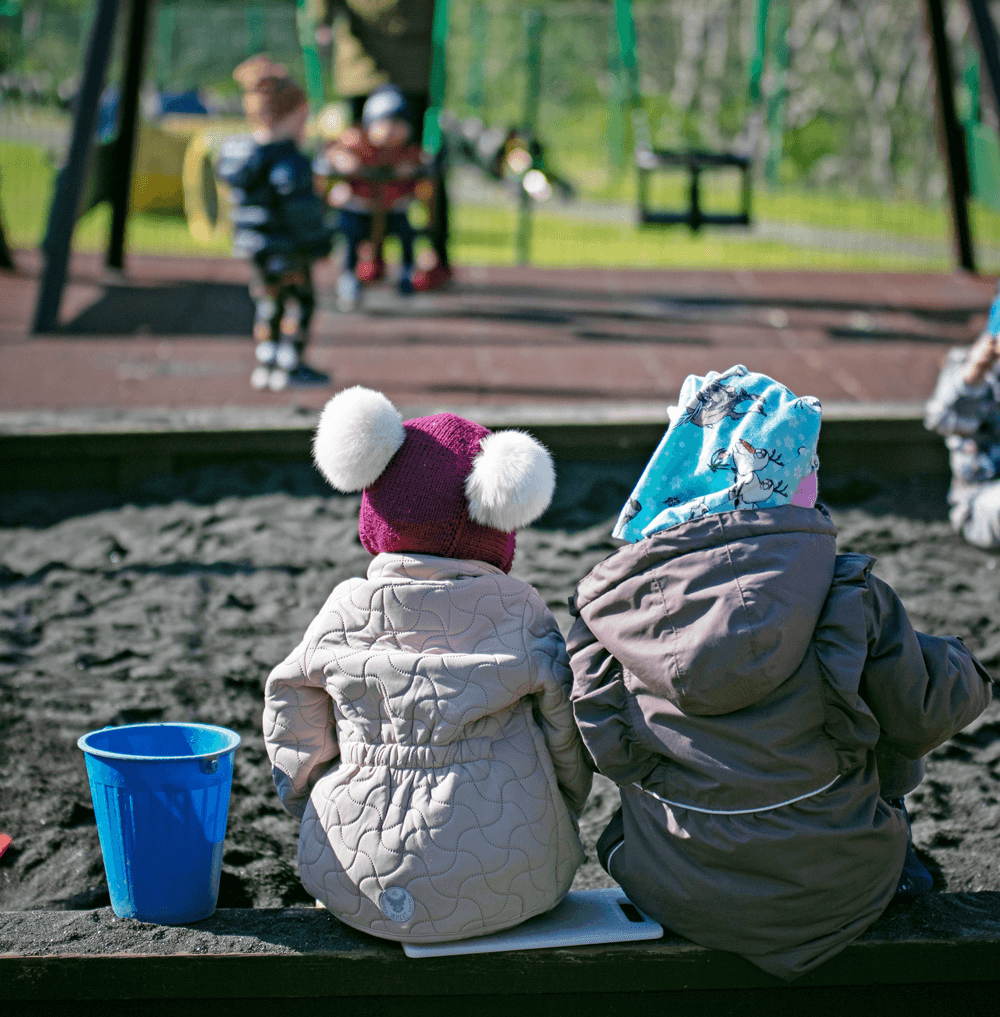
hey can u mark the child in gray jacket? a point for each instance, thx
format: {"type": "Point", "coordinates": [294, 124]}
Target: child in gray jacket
{"type": "Point", "coordinates": [763, 702]}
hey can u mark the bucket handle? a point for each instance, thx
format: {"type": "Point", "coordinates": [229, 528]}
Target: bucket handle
{"type": "Point", "coordinates": [210, 765]}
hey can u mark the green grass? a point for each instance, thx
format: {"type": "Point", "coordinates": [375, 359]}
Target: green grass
{"type": "Point", "coordinates": [25, 185]}
{"type": "Point", "coordinates": [485, 235]}
{"type": "Point", "coordinates": [27, 180]}
{"type": "Point", "coordinates": [147, 234]}
{"type": "Point", "coordinates": [578, 147]}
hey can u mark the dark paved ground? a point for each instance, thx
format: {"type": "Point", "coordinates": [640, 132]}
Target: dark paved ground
{"type": "Point", "coordinates": [175, 334]}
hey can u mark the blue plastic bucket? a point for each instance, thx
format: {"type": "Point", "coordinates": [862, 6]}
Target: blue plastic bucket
{"type": "Point", "coordinates": [161, 799]}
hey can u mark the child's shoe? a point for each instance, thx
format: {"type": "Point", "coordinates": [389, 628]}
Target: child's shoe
{"type": "Point", "coordinates": [348, 292]}
{"type": "Point", "coordinates": [370, 270]}
{"type": "Point", "coordinates": [915, 879]}
{"type": "Point", "coordinates": [405, 282]}
{"type": "Point", "coordinates": [265, 353]}
{"type": "Point", "coordinates": [431, 278]}
{"type": "Point", "coordinates": [302, 376]}
{"type": "Point", "coordinates": [289, 371]}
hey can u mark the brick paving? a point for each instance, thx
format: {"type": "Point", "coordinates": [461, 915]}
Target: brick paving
{"type": "Point", "coordinates": [174, 334]}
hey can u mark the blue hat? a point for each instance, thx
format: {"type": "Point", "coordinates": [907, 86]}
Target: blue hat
{"type": "Point", "coordinates": [385, 103]}
{"type": "Point", "coordinates": [737, 440]}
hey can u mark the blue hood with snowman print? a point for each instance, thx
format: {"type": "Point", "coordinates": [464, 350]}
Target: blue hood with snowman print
{"type": "Point", "coordinates": [736, 440]}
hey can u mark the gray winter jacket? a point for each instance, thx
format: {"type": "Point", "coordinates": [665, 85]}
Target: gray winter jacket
{"type": "Point", "coordinates": [733, 674]}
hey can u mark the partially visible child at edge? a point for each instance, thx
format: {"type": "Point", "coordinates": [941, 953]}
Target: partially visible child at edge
{"type": "Point", "coordinates": [763, 702]}
{"type": "Point", "coordinates": [382, 170]}
{"type": "Point", "coordinates": [278, 222]}
{"type": "Point", "coordinates": [422, 729]}
{"type": "Point", "coordinates": [965, 408]}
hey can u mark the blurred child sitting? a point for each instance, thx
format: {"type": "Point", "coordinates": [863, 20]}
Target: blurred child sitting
{"type": "Point", "coordinates": [278, 221]}
{"type": "Point", "coordinates": [382, 171]}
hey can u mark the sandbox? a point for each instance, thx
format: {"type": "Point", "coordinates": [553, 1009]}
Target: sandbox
{"type": "Point", "coordinates": [177, 609]}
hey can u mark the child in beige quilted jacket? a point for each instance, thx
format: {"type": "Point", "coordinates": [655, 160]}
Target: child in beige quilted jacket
{"type": "Point", "coordinates": [422, 729]}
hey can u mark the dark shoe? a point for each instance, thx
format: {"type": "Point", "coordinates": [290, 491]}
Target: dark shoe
{"type": "Point", "coordinates": [302, 376]}
{"type": "Point", "coordinates": [612, 838]}
{"type": "Point", "coordinates": [914, 879]}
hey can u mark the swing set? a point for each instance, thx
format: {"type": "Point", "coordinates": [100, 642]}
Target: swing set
{"type": "Point", "coordinates": [969, 147]}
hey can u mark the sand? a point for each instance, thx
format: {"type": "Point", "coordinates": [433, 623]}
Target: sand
{"type": "Point", "coordinates": [177, 608]}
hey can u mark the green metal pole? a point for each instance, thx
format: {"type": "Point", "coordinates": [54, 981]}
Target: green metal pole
{"type": "Point", "coordinates": [312, 67]}
{"type": "Point", "coordinates": [253, 18]}
{"type": "Point", "coordinates": [534, 22]}
{"type": "Point", "coordinates": [623, 70]}
{"type": "Point", "coordinates": [756, 64]}
{"type": "Point", "coordinates": [778, 99]}
{"type": "Point", "coordinates": [439, 78]}
{"type": "Point", "coordinates": [166, 24]}
{"type": "Point", "coordinates": [475, 92]}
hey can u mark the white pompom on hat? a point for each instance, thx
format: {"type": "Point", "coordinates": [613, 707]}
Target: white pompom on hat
{"type": "Point", "coordinates": [512, 481]}
{"type": "Point", "coordinates": [438, 485]}
{"type": "Point", "coordinates": [359, 432]}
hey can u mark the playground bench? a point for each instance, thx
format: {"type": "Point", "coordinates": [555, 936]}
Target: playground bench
{"type": "Point", "coordinates": [652, 160]}
{"type": "Point", "coordinates": [935, 955]}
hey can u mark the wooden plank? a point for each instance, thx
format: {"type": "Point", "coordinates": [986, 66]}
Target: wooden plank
{"type": "Point", "coordinates": [941, 940]}
{"type": "Point", "coordinates": [883, 446]}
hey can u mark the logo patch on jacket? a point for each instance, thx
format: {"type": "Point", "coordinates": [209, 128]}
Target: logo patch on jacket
{"type": "Point", "coordinates": [396, 904]}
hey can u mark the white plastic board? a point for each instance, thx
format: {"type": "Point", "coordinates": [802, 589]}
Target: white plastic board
{"type": "Point", "coordinates": [584, 917]}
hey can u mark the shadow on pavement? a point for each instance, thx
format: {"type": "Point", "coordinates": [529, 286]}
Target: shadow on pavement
{"type": "Point", "coordinates": [188, 308]}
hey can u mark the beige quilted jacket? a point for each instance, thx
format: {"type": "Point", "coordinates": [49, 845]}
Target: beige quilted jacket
{"type": "Point", "coordinates": [423, 732]}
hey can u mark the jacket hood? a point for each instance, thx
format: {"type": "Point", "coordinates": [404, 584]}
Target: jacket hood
{"type": "Point", "coordinates": [737, 440]}
{"type": "Point", "coordinates": [714, 614]}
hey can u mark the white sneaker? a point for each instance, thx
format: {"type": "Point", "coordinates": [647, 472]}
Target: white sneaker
{"type": "Point", "coordinates": [265, 354]}
{"type": "Point", "coordinates": [286, 357]}
{"type": "Point", "coordinates": [348, 292]}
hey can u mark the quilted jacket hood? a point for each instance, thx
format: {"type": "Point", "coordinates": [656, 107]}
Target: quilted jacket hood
{"type": "Point", "coordinates": [716, 613]}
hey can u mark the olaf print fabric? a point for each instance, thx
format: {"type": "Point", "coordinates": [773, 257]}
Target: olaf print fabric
{"type": "Point", "coordinates": [736, 440]}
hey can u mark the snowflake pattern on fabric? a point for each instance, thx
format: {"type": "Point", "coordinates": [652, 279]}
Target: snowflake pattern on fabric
{"type": "Point", "coordinates": [740, 440]}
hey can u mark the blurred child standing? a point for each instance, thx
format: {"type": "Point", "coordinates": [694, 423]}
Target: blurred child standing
{"type": "Point", "coordinates": [278, 221]}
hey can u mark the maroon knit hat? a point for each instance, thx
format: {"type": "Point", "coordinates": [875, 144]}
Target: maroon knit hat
{"type": "Point", "coordinates": [439, 485]}
{"type": "Point", "coordinates": [419, 503]}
